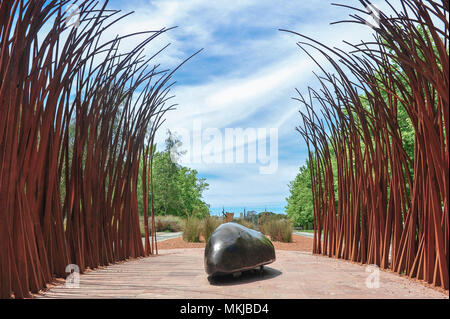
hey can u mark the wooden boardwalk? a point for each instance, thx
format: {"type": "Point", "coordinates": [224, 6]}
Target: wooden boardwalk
{"type": "Point", "coordinates": [179, 273]}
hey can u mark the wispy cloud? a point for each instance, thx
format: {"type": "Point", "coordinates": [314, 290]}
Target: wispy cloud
{"type": "Point", "coordinates": [245, 77]}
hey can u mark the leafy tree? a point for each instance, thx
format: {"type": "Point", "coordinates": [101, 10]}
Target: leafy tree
{"type": "Point", "coordinates": [300, 202]}
{"type": "Point", "coordinates": [177, 189]}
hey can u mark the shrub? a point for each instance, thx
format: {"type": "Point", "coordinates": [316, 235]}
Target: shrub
{"type": "Point", "coordinates": [278, 229]}
{"type": "Point", "coordinates": [162, 223]}
{"type": "Point", "coordinates": [265, 217]}
{"type": "Point", "coordinates": [192, 229]}
{"type": "Point", "coordinates": [244, 222]}
{"type": "Point", "coordinates": [209, 224]}
{"type": "Point", "coordinates": [168, 223]}
{"type": "Point", "coordinates": [141, 225]}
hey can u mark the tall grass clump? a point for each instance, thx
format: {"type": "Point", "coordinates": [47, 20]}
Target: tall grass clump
{"type": "Point", "coordinates": [245, 223]}
{"type": "Point", "coordinates": [192, 228]}
{"type": "Point", "coordinates": [168, 223]}
{"type": "Point", "coordinates": [278, 229]}
{"type": "Point", "coordinates": [209, 225]}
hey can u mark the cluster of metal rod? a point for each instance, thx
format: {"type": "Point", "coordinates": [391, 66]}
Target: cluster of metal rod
{"type": "Point", "coordinates": [76, 116]}
{"type": "Point", "coordinates": [384, 213]}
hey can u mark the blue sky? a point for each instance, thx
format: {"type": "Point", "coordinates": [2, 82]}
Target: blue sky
{"type": "Point", "coordinates": [245, 77]}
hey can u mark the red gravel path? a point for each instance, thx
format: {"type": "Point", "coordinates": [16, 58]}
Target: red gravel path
{"type": "Point", "coordinates": [299, 243]}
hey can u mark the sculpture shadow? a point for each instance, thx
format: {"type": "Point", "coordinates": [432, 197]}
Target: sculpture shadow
{"type": "Point", "coordinates": [245, 277]}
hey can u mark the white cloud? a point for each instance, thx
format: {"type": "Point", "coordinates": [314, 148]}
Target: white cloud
{"type": "Point", "coordinates": [257, 76]}
{"type": "Point", "coordinates": [259, 69]}
{"type": "Point", "coordinates": [241, 185]}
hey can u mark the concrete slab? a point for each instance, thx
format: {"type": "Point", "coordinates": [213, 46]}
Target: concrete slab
{"type": "Point", "coordinates": [179, 273]}
{"type": "Point", "coordinates": [162, 236]}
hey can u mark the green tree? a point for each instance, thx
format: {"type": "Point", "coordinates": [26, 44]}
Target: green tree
{"type": "Point", "coordinates": [177, 190]}
{"type": "Point", "coordinates": [300, 202]}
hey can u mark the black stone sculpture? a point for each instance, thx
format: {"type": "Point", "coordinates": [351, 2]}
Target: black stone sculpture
{"type": "Point", "coordinates": [234, 248]}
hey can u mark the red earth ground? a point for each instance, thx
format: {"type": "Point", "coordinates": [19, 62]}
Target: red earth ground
{"type": "Point", "coordinates": [299, 243]}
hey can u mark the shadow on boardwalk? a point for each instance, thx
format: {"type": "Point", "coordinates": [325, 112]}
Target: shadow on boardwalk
{"type": "Point", "coordinates": [245, 278]}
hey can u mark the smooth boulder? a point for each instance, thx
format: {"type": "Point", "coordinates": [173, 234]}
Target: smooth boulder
{"type": "Point", "coordinates": [235, 248]}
